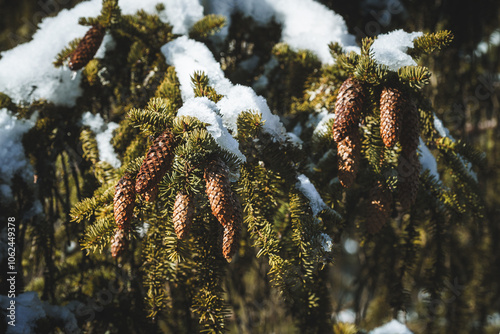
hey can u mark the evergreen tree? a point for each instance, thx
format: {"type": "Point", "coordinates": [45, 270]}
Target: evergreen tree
{"type": "Point", "coordinates": [196, 235]}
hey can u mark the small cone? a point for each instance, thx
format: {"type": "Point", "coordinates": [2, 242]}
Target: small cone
{"type": "Point", "coordinates": [231, 236]}
{"type": "Point", "coordinates": [119, 243]}
{"type": "Point", "coordinates": [219, 191]}
{"type": "Point", "coordinates": [409, 179]}
{"type": "Point", "coordinates": [348, 107]}
{"type": "Point", "coordinates": [410, 129]}
{"type": "Point", "coordinates": [348, 156]}
{"type": "Point", "coordinates": [157, 162]}
{"type": "Point", "coordinates": [379, 208]}
{"type": "Point", "coordinates": [392, 104]}
{"type": "Point", "coordinates": [124, 201]}
{"type": "Point", "coordinates": [87, 47]}
{"type": "Point", "coordinates": [183, 214]}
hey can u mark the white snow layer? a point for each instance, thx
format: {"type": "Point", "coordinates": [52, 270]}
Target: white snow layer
{"type": "Point", "coordinates": [392, 327]}
{"type": "Point", "coordinates": [307, 188]}
{"type": "Point", "coordinates": [306, 24]}
{"type": "Point", "coordinates": [441, 129]}
{"type": "Point", "coordinates": [390, 49]}
{"type": "Point", "coordinates": [206, 111]}
{"type": "Point", "coordinates": [27, 72]}
{"type": "Point", "coordinates": [189, 56]}
{"type": "Point", "coordinates": [104, 134]}
{"type": "Point", "coordinates": [12, 153]}
{"type": "Point", "coordinates": [29, 309]}
{"type": "Point", "coordinates": [427, 160]}
{"type": "Point", "coordinates": [326, 242]}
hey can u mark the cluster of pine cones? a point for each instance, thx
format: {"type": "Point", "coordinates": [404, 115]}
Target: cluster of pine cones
{"type": "Point", "coordinates": [224, 203]}
{"type": "Point", "coordinates": [399, 121]}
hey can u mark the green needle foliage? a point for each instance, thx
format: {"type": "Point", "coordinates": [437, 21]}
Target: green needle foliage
{"type": "Point", "coordinates": [292, 232]}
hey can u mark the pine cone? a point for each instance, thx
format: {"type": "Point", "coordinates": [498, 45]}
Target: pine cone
{"type": "Point", "coordinates": [124, 201]}
{"type": "Point", "coordinates": [157, 162]}
{"type": "Point", "coordinates": [87, 47]}
{"type": "Point", "coordinates": [348, 107]}
{"type": "Point", "coordinates": [151, 194]}
{"type": "Point", "coordinates": [409, 179]}
{"type": "Point", "coordinates": [119, 243]}
{"type": "Point", "coordinates": [392, 104]}
{"type": "Point", "coordinates": [183, 214]}
{"type": "Point", "coordinates": [219, 191]}
{"type": "Point", "coordinates": [379, 208]}
{"type": "Point", "coordinates": [232, 231]}
{"type": "Point", "coordinates": [410, 129]}
{"type": "Point", "coordinates": [348, 156]}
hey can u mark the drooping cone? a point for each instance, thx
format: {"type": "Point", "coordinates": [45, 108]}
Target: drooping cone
{"type": "Point", "coordinates": [124, 201]}
{"type": "Point", "coordinates": [409, 179]}
{"type": "Point", "coordinates": [410, 129]}
{"type": "Point", "coordinates": [232, 231]}
{"type": "Point", "coordinates": [219, 191]}
{"type": "Point", "coordinates": [348, 107]}
{"type": "Point", "coordinates": [183, 214]}
{"type": "Point", "coordinates": [151, 194]}
{"type": "Point", "coordinates": [87, 47]}
{"type": "Point", "coordinates": [379, 208]}
{"type": "Point", "coordinates": [348, 156]}
{"type": "Point", "coordinates": [392, 104]}
{"type": "Point", "coordinates": [225, 205]}
{"type": "Point", "coordinates": [157, 162]}
{"type": "Point", "coordinates": [119, 243]}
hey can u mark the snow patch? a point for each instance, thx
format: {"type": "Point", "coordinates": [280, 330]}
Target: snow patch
{"type": "Point", "coordinates": [346, 316]}
{"type": "Point", "coordinates": [390, 49]}
{"type": "Point", "coordinates": [323, 118]}
{"type": "Point", "coordinates": [309, 190]}
{"type": "Point", "coordinates": [12, 154]}
{"type": "Point", "coordinates": [427, 160]}
{"type": "Point", "coordinates": [206, 111]}
{"type": "Point", "coordinates": [241, 98]}
{"type": "Point", "coordinates": [189, 56]}
{"type": "Point", "coordinates": [104, 134]}
{"type": "Point", "coordinates": [326, 242]}
{"type": "Point", "coordinates": [392, 327]}
{"type": "Point", "coordinates": [306, 24]}
{"type": "Point", "coordinates": [30, 309]}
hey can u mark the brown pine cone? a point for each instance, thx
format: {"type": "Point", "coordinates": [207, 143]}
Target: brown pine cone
{"type": "Point", "coordinates": [219, 191]}
{"type": "Point", "coordinates": [232, 231]}
{"type": "Point", "coordinates": [151, 194]}
{"type": "Point", "coordinates": [183, 214]}
{"type": "Point", "coordinates": [392, 104]}
{"type": "Point", "coordinates": [157, 162]}
{"type": "Point", "coordinates": [348, 156]}
{"type": "Point", "coordinates": [379, 208]}
{"type": "Point", "coordinates": [409, 179]}
{"type": "Point", "coordinates": [87, 47]}
{"type": "Point", "coordinates": [348, 107]}
{"type": "Point", "coordinates": [124, 201]}
{"type": "Point", "coordinates": [410, 129]}
{"type": "Point", "coordinates": [119, 243]}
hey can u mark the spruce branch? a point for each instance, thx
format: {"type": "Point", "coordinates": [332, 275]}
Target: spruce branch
{"type": "Point", "coordinates": [429, 42]}
{"type": "Point", "coordinates": [169, 89]}
{"type": "Point", "coordinates": [66, 53]}
{"type": "Point", "coordinates": [208, 25]}
{"type": "Point", "coordinates": [415, 77]}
